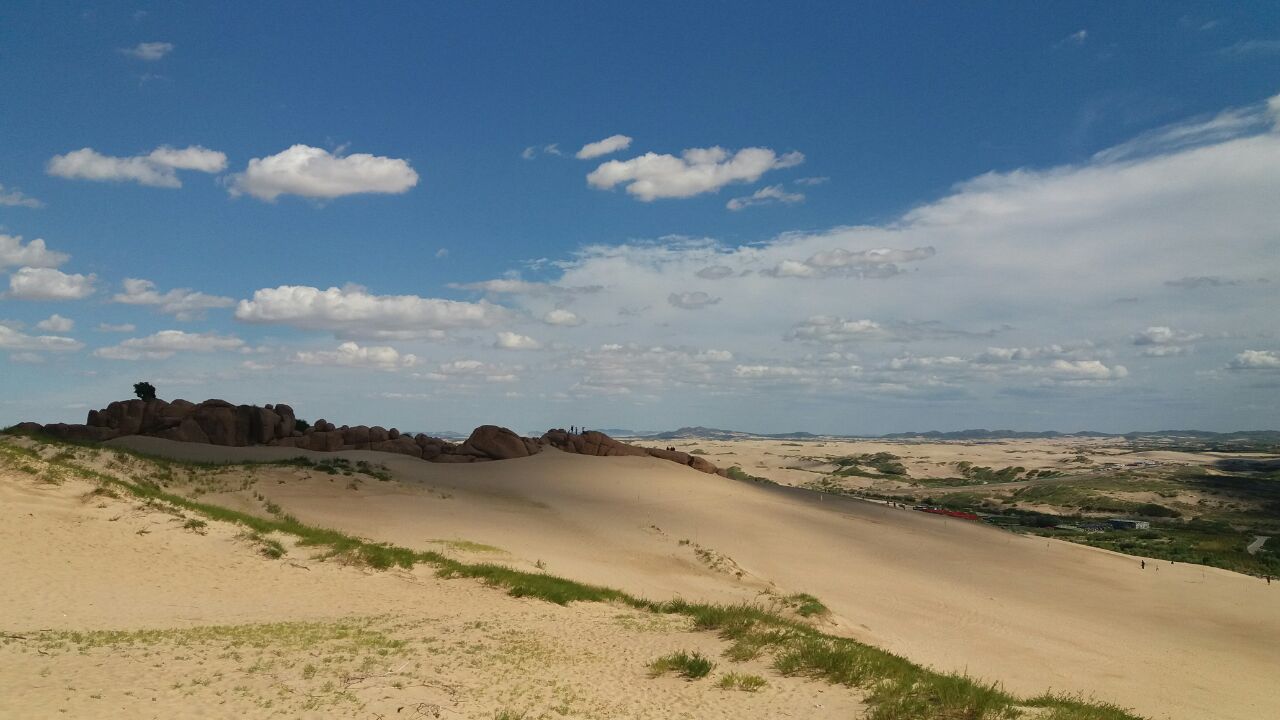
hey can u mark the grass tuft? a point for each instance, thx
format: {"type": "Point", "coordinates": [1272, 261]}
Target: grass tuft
{"type": "Point", "coordinates": [740, 681]}
{"type": "Point", "coordinates": [690, 666]}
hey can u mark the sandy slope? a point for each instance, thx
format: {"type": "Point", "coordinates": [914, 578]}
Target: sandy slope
{"type": "Point", "coordinates": [212, 629]}
{"type": "Point", "coordinates": [1173, 641]}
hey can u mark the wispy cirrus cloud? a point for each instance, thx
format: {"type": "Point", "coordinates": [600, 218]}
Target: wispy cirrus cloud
{"type": "Point", "coordinates": [765, 196]}
{"type": "Point", "coordinates": [182, 303]}
{"type": "Point", "coordinates": [14, 197]}
{"type": "Point", "coordinates": [167, 343]}
{"type": "Point", "coordinates": [148, 51]}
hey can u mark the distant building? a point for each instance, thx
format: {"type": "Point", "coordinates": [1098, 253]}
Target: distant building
{"type": "Point", "coordinates": [1123, 524]}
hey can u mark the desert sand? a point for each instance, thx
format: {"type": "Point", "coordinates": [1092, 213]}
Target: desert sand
{"type": "Point", "coordinates": [1171, 641]}
{"type": "Point", "coordinates": [111, 609]}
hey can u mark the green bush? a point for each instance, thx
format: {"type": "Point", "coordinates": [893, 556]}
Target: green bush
{"type": "Point", "coordinates": [144, 390]}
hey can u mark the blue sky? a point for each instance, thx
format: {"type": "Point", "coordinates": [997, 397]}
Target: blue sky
{"type": "Point", "coordinates": [893, 217]}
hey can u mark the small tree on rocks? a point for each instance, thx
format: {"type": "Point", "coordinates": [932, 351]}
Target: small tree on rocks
{"type": "Point", "coordinates": [144, 390]}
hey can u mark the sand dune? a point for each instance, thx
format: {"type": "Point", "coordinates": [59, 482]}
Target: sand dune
{"type": "Point", "coordinates": [111, 609]}
{"type": "Point", "coordinates": [1173, 641]}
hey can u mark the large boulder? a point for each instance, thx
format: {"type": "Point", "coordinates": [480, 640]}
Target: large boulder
{"type": "Point", "coordinates": [187, 430]}
{"type": "Point", "coordinates": [402, 445]}
{"type": "Point", "coordinates": [288, 421]}
{"type": "Point", "coordinates": [264, 425]}
{"type": "Point", "coordinates": [79, 433]}
{"type": "Point", "coordinates": [329, 441]}
{"type": "Point", "coordinates": [672, 455]}
{"type": "Point", "coordinates": [701, 464]}
{"type": "Point", "coordinates": [125, 416]}
{"type": "Point", "coordinates": [217, 420]}
{"type": "Point", "coordinates": [497, 443]}
{"type": "Point", "coordinates": [357, 436]}
{"type": "Point", "coordinates": [156, 417]}
{"type": "Point", "coordinates": [597, 443]}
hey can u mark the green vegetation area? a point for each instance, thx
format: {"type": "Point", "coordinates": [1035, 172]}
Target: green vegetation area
{"type": "Point", "coordinates": [1201, 542]}
{"type": "Point", "coordinates": [879, 464]}
{"type": "Point", "coordinates": [1239, 499]}
{"type": "Point", "coordinates": [986, 474]}
{"type": "Point", "coordinates": [737, 473]}
{"type": "Point", "coordinates": [895, 688]}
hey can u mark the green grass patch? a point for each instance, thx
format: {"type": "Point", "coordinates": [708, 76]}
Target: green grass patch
{"type": "Point", "coordinates": [468, 546]}
{"type": "Point", "coordinates": [806, 605]}
{"type": "Point", "coordinates": [688, 665]}
{"type": "Point", "coordinates": [740, 681]}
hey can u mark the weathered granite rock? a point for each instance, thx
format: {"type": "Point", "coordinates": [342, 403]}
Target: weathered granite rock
{"type": "Point", "coordinates": [494, 443]}
{"type": "Point", "coordinates": [402, 445]}
{"type": "Point", "coordinates": [218, 422]}
{"type": "Point", "coordinates": [328, 441]}
{"type": "Point", "coordinates": [357, 436]}
{"type": "Point", "coordinates": [187, 431]}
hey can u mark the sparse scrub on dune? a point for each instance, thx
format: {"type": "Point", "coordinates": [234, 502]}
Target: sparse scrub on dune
{"type": "Point", "coordinates": [688, 665]}
{"type": "Point", "coordinates": [738, 473]}
{"type": "Point", "coordinates": [740, 681]}
{"type": "Point", "coordinates": [896, 688]}
{"type": "Point", "coordinates": [806, 605]}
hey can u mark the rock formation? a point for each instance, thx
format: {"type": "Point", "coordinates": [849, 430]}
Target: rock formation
{"type": "Point", "coordinates": [217, 422]}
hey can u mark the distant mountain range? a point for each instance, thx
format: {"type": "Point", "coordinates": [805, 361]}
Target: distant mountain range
{"type": "Point", "coordinates": [705, 433]}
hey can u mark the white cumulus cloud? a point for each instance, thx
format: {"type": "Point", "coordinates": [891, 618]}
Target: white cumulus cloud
{"type": "Point", "coordinates": [34, 254]}
{"type": "Point", "coordinates": [1255, 360]}
{"type": "Point", "coordinates": [49, 284]}
{"type": "Point", "coordinates": [515, 341]}
{"type": "Point", "coordinates": [697, 170]}
{"type": "Point", "coordinates": [354, 311]}
{"type": "Point", "coordinates": [316, 173]}
{"type": "Point", "coordinates": [55, 323]}
{"type": "Point", "coordinates": [156, 169]}
{"type": "Point", "coordinates": [561, 317]}
{"type": "Point", "coordinates": [1163, 335]}
{"type": "Point", "coordinates": [611, 144]}
{"type": "Point", "coordinates": [349, 354]}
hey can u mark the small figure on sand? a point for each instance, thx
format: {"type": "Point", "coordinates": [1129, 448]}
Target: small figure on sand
{"type": "Point", "coordinates": [1144, 564]}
